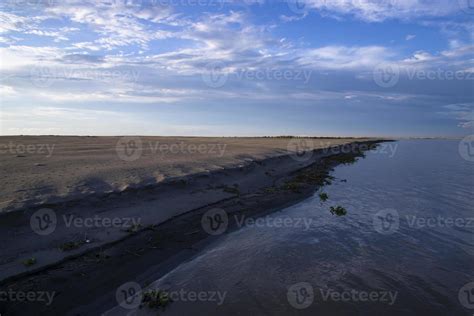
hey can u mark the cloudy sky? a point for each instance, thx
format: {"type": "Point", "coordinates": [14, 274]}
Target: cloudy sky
{"type": "Point", "coordinates": [243, 67]}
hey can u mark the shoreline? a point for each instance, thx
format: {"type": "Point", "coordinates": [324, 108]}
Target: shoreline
{"type": "Point", "coordinates": [42, 170]}
{"type": "Point", "coordinates": [255, 195]}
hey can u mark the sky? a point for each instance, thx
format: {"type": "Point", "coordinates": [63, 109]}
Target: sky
{"type": "Point", "coordinates": [393, 68]}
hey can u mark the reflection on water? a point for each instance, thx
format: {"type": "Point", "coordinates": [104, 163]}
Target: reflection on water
{"type": "Point", "coordinates": [405, 246]}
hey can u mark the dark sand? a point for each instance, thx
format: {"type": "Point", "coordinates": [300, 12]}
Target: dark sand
{"type": "Point", "coordinates": [85, 279]}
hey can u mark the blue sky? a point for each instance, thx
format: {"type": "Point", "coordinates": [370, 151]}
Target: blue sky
{"type": "Point", "coordinates": [249, 67]}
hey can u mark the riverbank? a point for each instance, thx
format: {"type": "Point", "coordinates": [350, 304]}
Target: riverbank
{"type": "Point", "coordinates": [94, 261]}
{"type": "Point", "coordinates": [38, 170]}
{"type": "Point", "coordinates": [405, 246]}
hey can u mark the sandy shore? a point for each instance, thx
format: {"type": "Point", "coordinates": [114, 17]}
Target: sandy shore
{"type": "Point", "coordinates": [85, 243]}
{"type": "Point", "coordinates": [36, 170]}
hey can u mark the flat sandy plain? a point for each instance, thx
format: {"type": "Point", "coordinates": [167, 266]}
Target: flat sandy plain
{"type": "Point", "coordinates": [35, 170]}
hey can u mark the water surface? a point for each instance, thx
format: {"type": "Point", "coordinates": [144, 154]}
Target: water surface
{"type": "Point", "coordinates": [396, 251]}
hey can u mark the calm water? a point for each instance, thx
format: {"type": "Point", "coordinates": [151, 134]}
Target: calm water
{"type": "Point", "coordinates": [395, 251]}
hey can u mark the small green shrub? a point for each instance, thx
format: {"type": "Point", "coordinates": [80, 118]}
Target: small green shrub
{"type": "Point", "coordinates": [323, 196]}
{"type": "Point", "coordinates": [338, 210]}
{"type": "Point", "coordinates": [29, 262]}
{"type": "Point", "coordinates": [70, 245]}
{"type": "Point", "coordinates": [155, 299]}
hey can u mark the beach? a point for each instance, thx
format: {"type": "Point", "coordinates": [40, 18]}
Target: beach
{"type": "Point", "coordinates": [136, 216]}
{"type": "Point", "coordinates": [236, 158]}
{"type": "Point", "coordinates": [39, 170]}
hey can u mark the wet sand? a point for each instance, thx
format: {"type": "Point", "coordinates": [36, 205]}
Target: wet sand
{"type": "Point", "coordinates": [169, 212]}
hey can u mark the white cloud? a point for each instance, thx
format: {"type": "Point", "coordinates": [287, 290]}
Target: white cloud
{"type": "Point", "coordinates": [58, 35]}
{"type": "Point", "coordinates": [11, 22]}
{"type": "Point", "coordinates": [463, 112]}
{"type": "Point", "coordinates": [117, 39]}
{"type": "Point", "coordinates": [344, 57]}
{"type": "Point", "coordinates": [7, 91]}
{"type": "Point", "coordinates": [117, 23]}
{"type": "Point", "coordinates": [109, 96]}
{"type": "Point", "coordinates": [409, 37]}
{"type": "Point", "coordinates": [14, 57]}
{"type": "Point", "coordinates": [379, 10]}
